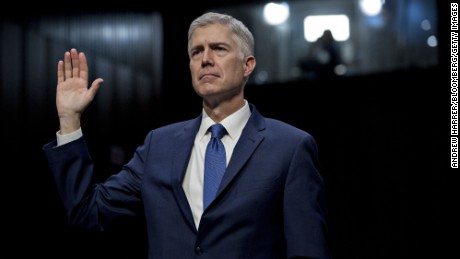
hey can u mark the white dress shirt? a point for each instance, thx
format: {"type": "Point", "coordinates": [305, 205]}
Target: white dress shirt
{"type": "Point", "coordinates": [194, 176]}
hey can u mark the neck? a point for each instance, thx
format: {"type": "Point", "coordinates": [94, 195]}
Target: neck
{"type": "Point", "coordinates": [222, 110]}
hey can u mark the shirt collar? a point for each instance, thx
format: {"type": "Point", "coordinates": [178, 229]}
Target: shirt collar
{"type": "Point", "coordinates": [234, 123]}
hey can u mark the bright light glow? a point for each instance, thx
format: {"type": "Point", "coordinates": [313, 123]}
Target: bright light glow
{"type": "Point", "coordinates": [275, 14]}
{"type": "Point", "coordinates": [432, 41]}
{"type": "Point", "coordinates": [371, 7]}
{"type": "Point", "coordinates": [426, 25]}
{"type": "Point", "coordinates": [340, 70]}
{"type": "Point", "coordinates": [314, 26]}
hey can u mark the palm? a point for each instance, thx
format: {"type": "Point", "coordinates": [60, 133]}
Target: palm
{"type": "Point", "coordinates": [73, 94]}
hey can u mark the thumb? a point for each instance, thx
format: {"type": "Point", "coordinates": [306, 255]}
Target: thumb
{"type": "Point", "coordinates": [95, 86]}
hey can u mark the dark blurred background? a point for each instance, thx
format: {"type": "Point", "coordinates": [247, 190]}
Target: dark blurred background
{"type": "Point", "coordinates": [381, 120]}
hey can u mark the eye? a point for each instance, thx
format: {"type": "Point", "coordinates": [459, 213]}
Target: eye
{"type": "Point", "coordinates": [194, 52]}
{"type": "Point", "coordinates": [220, 48]}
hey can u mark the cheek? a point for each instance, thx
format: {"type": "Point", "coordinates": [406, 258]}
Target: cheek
{"type": "Point", "coordinates": [193, 72]}
{"type": "Point", "coordinates": [238, 70]}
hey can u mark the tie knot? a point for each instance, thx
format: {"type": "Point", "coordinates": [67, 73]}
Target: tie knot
{"type": "Point", "coordinates": [217, 131]}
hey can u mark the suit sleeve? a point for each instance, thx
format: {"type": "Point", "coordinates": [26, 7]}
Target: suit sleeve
{"type": "Point", "coordinates": [88, 204]}
{"type": "Point", "coordinates": [305, 205]}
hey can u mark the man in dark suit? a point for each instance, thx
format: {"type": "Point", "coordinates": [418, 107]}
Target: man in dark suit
{"type": "Point", "coordinates": [268, 204]}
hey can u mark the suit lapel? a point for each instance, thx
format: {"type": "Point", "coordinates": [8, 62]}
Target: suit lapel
{"type": "Point", "coordinates": [247, 144]}
{"type": "Point", "coordinates": [183, 143]}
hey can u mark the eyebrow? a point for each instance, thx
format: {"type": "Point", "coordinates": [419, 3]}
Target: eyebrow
{"type": "Point", "coordinates": [215, 44]}
{"type": "Point", "coordinates": [212, 45]}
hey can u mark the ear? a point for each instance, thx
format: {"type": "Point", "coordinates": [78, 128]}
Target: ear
{"type": "Point", "coordinates": [249, 65]}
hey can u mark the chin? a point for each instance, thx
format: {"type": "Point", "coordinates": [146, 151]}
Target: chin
{"type": "Point", "coordinates": [207, 88]}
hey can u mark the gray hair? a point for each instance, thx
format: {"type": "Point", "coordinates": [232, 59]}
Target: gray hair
{"type": "Point", "coordinates": [242, 34]}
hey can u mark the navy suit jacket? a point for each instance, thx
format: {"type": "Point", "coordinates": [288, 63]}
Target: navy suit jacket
{"type": "Point", "coordinates": [270, 203]}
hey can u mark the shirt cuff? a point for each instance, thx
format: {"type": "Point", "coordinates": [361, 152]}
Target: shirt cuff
{"type": "Point", "coordinates": [66, 138]}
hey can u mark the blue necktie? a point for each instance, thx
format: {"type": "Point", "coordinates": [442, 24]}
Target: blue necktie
{"type": "Point", "coordinates": [214, 164]}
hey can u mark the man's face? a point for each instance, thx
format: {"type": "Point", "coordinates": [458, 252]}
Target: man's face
{"type": "Point", "coordinates": [217, 66]}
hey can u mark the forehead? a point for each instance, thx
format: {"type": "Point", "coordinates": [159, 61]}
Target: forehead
{"type": "Point", "coordinates": [212, 33]}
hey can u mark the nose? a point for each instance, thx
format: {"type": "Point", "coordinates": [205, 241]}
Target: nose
{"type": "Point", "coordinates": [207, 58]}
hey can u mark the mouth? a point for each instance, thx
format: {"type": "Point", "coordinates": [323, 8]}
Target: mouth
{"type": "Point", "coordinates": [208, 76]}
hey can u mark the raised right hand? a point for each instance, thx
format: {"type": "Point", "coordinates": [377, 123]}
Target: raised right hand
{"type": "Point", "coordinates": [72, 93]}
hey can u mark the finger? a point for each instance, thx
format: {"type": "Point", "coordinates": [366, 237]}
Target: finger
{"type": "Point", "coordinates": [83, 66]}
{"type": "Point", "coordinates": [67, 66]}
{"type": "Point", "coordinates": [60, 72]}
{"type": "Point", "coordinates": [95, 86]}
{"type": "Point", "coordinates": [75, 63]}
